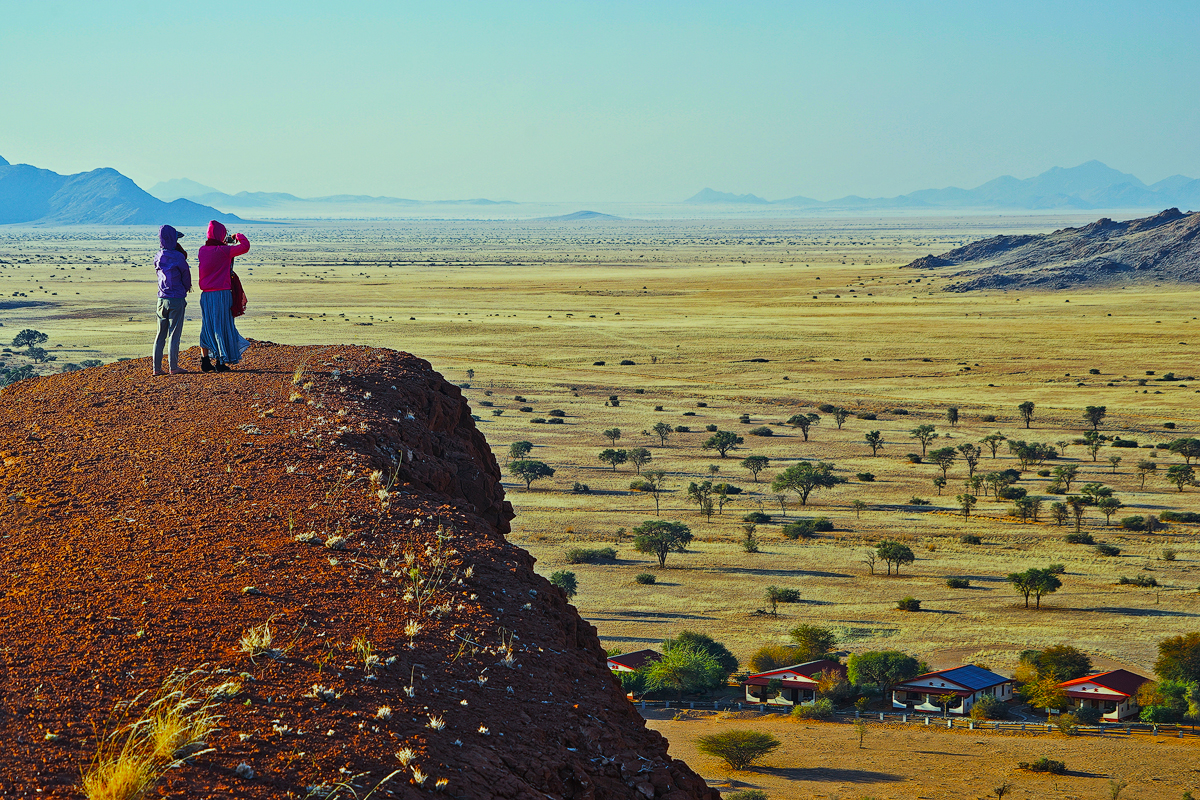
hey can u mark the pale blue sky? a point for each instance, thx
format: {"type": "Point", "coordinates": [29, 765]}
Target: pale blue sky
{"type": "Point", "coordinates": [639, 101]}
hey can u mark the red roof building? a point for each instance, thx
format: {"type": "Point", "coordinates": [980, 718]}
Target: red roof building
{"type": "Point", "coordinates": [797, 683]}
{"type": "Point", "coordinates": [631, 662]}
{"type": "Point", "coordinates": [967, 684]}
{"type": "Point", "coordinates": [1114, 693]}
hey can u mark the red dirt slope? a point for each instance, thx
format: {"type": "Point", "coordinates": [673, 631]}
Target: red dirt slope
{"type": "Point", "coordinates": [151, 521]}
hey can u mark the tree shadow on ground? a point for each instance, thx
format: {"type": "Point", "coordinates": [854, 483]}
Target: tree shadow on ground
{"type": "Point", "coordinates": [1138, 612]}
{"type": "Point", "coordinates": [787, 573]}
{"type": "Point", "coordinates": [830, 774]}
{"type": "Point", "coordinates": [625, 615]}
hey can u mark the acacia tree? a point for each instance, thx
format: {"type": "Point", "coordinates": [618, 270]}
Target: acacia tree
{"type": "Point", "coordinates": [805, 478]}
{"type": "Point", "coordinates": [1077, 505]}
{"type": "Point", "coordinates": [519, 450]}
{"type": "Point", "coordinates": [970, 453]}
{"type": "Point", "coordinates": [684, 668]}
{"type": "Point", "coordinates": [1189, 448]}
{"type": "Point", "coordinates": [640, 457]}
{"type": "Point", "coordinates": [722, 442]}
{"type": "Point", "coordinates": [952, 416]}
{"type": "Point", "coordinates": [812, 642]}
{"type": "Point", "coordinates": [661, 537]}
{"type": "Point", "coordinates": [654, 482]}
{"type": "Point", "coordinates": [923, 434]}
{"type": "Point", "coordinates": [993, 440]}
{"type": "Point", "coordinates": [894, 553]}
{"type": "Point", "coordinates": [1181, 475]}
{"type": "Point", "coordinates": [1109, 506]}
{"type": "Point", "coordinates": [1179, 658]}
{"type": "Point", "coordinates": [613, 457]}
{"type": "Point", "coordinates": [1144, 468]}
{"type": "Point", "coordinates": [701, 495]}
{"type": "Point", "coordinates": [663, 431]}
{"type": "Point", "coordinates": [966, 502]}
{"type": "Point", "coordinates": [1026, 412]}
{"type": "Point", "coordinates": [874, 440]}
{"type": "Point", "coordinates": [1093, 415]}
{"type": "Point", "coordinates": [1060, 512]}
{"type": "Point", "coordinates": [756, 464]}
{"type": "Point", "coordinates": [29, 338]}
{"type": "Point", "coordinates": [840, 415]}
{"type": "Point", "coordinates": [804, 422]}
{"type": "Point", "coordinates": [943, 457]}
{"type": "Point", "coordinates": [612, 434]}
{"type": "Point", "coordinates": [1064, 475]}
{"type": "Point", "coordinates": [530, 470]}
{"type": "Point", "coordinates": [884, 668]}
{"type": "Point", "coordinates": [1035, 582]}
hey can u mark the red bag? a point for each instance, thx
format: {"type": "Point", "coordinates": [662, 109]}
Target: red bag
{"type": "Point", "coordinates": [238, 305]}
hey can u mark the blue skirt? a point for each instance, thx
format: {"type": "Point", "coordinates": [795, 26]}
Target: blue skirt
{"type": "Point", "coordinates": [218, 334]}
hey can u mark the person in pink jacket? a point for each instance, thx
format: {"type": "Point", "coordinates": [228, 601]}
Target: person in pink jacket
{"type": "Point", "coordinates": [219, 337]}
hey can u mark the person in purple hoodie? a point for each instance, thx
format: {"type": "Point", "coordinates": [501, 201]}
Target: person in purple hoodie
{"type": "Point", "coordinates": [174, 282]}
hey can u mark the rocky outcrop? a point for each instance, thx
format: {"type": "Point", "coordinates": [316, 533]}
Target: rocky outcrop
{"type": "Point", "coordinates": [1164, 247]}
{"type": "Point", "coordinates": [341, 496]}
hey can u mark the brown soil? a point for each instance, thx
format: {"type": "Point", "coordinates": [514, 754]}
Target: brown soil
{"type": "Point", "coordinates": [152, 521]}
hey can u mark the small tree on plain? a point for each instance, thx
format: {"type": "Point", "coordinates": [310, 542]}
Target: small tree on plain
{"type": "Point", "coordinates": [966, 502]}
{"type": "Point", "coordinates": [1078, 505]}
{"type": "Point", "coordinates": [804, 422]}
{"type": "Point", "coordinates": [663, 431]}
{"type": "Point", "coordinates": [894, 553]}
{"type": "Point", "coordinates": [812, 641]}
{"type": "Point", "coordinates": [613, 457]}
{"type": "Point", "coordinates": [940, 483]}
{"type": "Point", "coordinates": [1108, 506]}
{"type": "Point", "coordinates": [874, 440]}
{"type": "Point", "coordinates": [1026, 412]}
{"type": "Point", "coordinates": [840, 415]}
{"type": "Point", "coordinates": [722, 442]}
{"type": "Point", "coordinates": [858, 506]}
{"type": "Point", "coordinates": [1034, 582]}
{"type": "Point", "coordinates": [1060, 512]}
{"type": "Point", "coordinates": [993, 440]}
{"type": "Point", "coordinates": [518, 450]}
{"type": "Point", "coordinates": [530, 470]}
{"type": "Point", "coordinates": [756, 464]}
{"type": "Point", "coordinates": [952, 416]}
{"type": "Point", "coordinates": [738, 748]}
{"type": "Point", "coordinates": [640, 457]}
{"type": "Point", "coordinates": [1094, 415]}
{"type": "Point", "coordinates": [970, 454]}
{"type": "Point", "coordinates": [654, 482]}
{"type": "Point", "coordinates": [29, 338]}
{"type": "Point", "coordinates": [612, 434]}
{"type": "Point", "coordinates": [1115, 461]}
{"type": "Point", "coordinates": [565, 580]}
{"type": "Point", "coordinates": [1144, 468]}
{"type": "Point", "coordinates": [1064, 475]}
{"type": "Point", "coordinates": [661, 537]}
{"type": "Point", "coordinates": [804, 478]}
{"type": "Point", "coordinates": [1181, 475]}
{"type": "Point", "coordinates": [944, 458]}
{"type": "Point", "coordinates": [924, 434]}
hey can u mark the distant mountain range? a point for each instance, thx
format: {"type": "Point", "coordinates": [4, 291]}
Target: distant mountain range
{"type": "Point", "coordinates": [1164, 247]}
{"type": "Point", "coordinates": [197, 192]}
{"type": "Point", "coordinates": [1088, 186]}
{"type": "Point", "coordinates": [100, 197]}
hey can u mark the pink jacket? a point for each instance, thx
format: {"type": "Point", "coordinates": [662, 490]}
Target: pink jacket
{"type": "Point", "coordinates": [216, 261]}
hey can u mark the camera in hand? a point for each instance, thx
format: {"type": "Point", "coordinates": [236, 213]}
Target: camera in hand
{"type": "Point", "coordinates": [230, 239]}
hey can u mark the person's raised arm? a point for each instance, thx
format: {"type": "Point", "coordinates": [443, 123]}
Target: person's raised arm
{"type": "Point", "coordinates": [242, 246]}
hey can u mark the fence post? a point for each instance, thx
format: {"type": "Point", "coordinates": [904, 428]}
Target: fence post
{"type": "Point", "coordinates": [881, 716]}
{"type": "Point", "coordinates": [716, 705]}
{"type": "Point", "coordinates": [692, 704]}
{"type": "Point", "coordinates": [1022, 726]}
{"type": "Point", "coordinates": [949, 723]}
{"type": "Point", "coordinates": [926, 721]}
{"type": "Point", "coordinates": [667, 704]}
{"type": "Point", "coordinates": [971, 724]}
{"type": "Point", "coordinates": [904, 717]}
{"type": "Point", "coordinates": [739, 706]}
{"type": "Point", "coordinates": [643, 704]}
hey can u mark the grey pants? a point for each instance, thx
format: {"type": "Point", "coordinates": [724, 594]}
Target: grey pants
{"type": "Point", "coordinates": [170, 321]}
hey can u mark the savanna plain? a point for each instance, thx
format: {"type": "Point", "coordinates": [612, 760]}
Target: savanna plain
{"type": "Point", "coordinates": [559, 333]}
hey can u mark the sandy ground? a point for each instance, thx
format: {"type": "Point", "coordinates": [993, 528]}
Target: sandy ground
{"type": "Point", "coordinates": [901, 762]}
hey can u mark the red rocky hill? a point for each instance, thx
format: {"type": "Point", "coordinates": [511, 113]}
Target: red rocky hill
{"type": "Point", "coordinates": [151, 522]}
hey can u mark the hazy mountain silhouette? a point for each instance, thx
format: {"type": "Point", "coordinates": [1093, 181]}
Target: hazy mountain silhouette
{"type": "Point", "coordinates": [579, 216]}
{"type": "Point", "coordinates": [100, 197]}
{"type": "Point", "coordinates": [198, 192]}
{"type": "Point", "coordinates": [1087, 186]}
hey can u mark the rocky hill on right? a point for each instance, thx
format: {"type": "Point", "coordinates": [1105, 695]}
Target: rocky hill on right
{"type": "Point", "coordinates": [1160, 248]}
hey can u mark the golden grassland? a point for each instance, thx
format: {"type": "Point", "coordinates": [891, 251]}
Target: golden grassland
{"type": "Point", "coordinates": [760, 318]}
